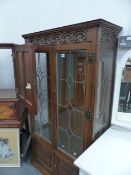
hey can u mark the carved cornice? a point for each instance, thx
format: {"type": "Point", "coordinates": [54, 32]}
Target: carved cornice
{"type": "Point", "coordinates": [60, 38]}
{"type": "Point", "coordinates": [109, 35]}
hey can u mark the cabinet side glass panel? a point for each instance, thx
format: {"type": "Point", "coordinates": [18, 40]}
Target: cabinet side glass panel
{"type": "Point", "coordinates": [104, 88]}
{"type": "Point", "coordinates": [71, 69]}
{"type": "Point", "coordinates": [42, 119]}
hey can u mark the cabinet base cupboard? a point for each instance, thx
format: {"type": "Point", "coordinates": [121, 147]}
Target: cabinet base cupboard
{"type": "Point", "coordinates": [66, 76]}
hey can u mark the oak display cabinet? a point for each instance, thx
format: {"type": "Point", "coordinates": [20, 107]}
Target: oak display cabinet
{"type": "Point", "coordinates": [66, 76]}
{"type": "Point", "coordinates": [74, 75]}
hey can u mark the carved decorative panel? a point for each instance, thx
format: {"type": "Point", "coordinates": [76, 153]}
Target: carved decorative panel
{"type": "Point", "coordinates": [60, 38]}
{"type": "Point", "coordinates": [108, 35]}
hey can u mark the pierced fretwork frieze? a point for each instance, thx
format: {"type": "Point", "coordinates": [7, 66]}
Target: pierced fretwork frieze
{"type": "Point", "coordinates": [108, 35]}
{"type": "Point", "coordinates": [60, 38]}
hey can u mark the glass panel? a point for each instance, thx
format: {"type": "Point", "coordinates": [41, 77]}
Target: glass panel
{"type": "Point", "coordinates": [42, 120]}
{"type": "Point", "coordinates": [7, 79]}
{"type": "Point", "coordinates": [70, 100]}
{"type": "Point", "coordinates": [125, 90]}
{"type": "Point", "coordinates": [104, 88]}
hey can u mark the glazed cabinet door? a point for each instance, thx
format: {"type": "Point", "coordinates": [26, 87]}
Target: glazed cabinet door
{"type": "Point", "coordinates": [73, 76]}
{"type": "Point", "coordinates": [44, 98]}
{"type": "Point", "coordinates": [43, 138]}
{"type": "Point", "coordinates": [25, 69]}
{"type": "Point", "coordinates": [71, 72]}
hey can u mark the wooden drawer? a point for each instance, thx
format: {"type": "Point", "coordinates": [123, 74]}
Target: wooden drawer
{"type": "Point", "coordinates": [7, 110]}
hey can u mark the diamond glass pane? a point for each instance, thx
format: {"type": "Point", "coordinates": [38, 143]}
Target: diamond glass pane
{"type": "Point", "coordinates": [70, 100]}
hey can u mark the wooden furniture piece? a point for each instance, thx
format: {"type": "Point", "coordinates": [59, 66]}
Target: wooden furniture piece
{"type": "Point", "coordinates": [75, 74]}
{"type": "Point", "coordinates": [15, 100]}
{"type": "Point", "coordinates": [8, 109]}
{"type": "Point", "coordinates": [73, 68]}
{"type": "Point", "coordinates": [13, 111]}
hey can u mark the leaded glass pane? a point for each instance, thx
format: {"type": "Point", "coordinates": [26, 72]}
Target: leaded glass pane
{"type": "Point", "coordinates": [71, 67]}
{"type": "Point", "coordinates": [104, 91]}
{"type": "Point", "coordinates": [42, 120]}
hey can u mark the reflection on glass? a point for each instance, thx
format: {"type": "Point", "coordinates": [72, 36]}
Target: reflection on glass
{"type": "Point", "coordinates": [7, 80]}
{"type": "Point", "coordinates": [125, 90]}
{"type": "Point", "coordinates": [42, 120]}
{"type": "Point", "coordinates": [70, 100]}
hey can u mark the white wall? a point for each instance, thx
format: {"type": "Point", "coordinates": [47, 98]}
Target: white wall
{"type": "Point", "coordinates": [19, 17]}
{"type": "Point", "coordinates": [24, 16]}
{"type": "Point", "coordinates": [6, 66]}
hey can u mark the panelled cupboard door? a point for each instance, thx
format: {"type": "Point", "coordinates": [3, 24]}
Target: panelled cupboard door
{"type": "Point", "coordinates": [24, 58]}
{"type": "Point", "coordinates": [64, 167]}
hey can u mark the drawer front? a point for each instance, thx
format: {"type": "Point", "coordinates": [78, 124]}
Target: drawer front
{"type": "Point", "coordinates": [7, 110]}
